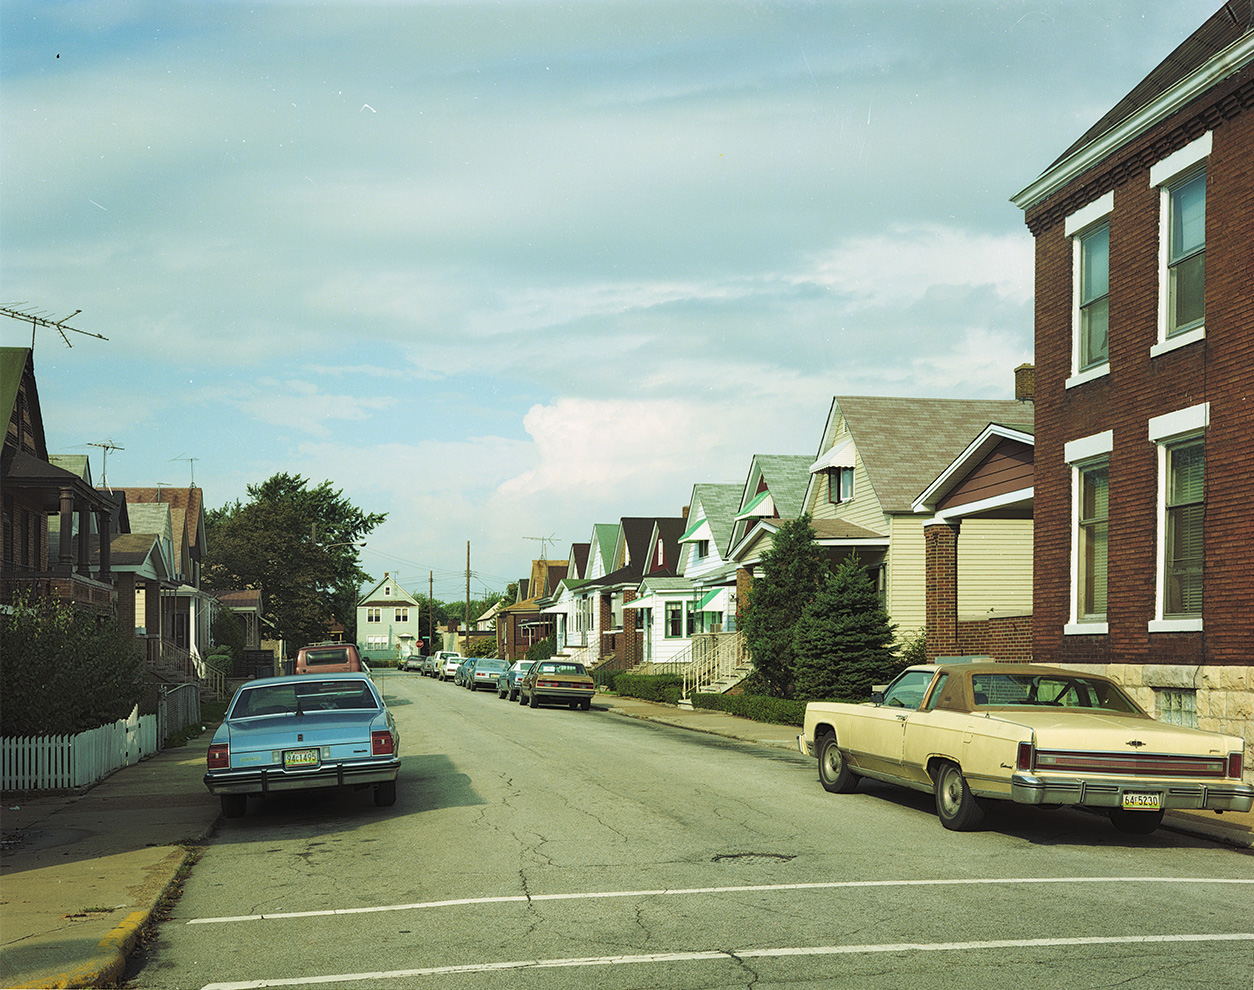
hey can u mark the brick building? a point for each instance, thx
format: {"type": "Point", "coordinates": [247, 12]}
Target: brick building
{"type": "Point", "coordinates": [1144, 388]}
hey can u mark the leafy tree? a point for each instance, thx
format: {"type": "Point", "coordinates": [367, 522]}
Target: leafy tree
{"type": "Point", "coordinates": [843, 641]}
{"type": "Point", "coordinates": [294, 544]}
{"type": "Point", "coordinates": [227, 632]}
{"type": "Point", "coordinates": [542, 649]}
{"type": "Point", "coordinates": [793, 571]}
{"type": "Point", "coordinates": [483, 646]}
{"type": "Point", "coordinates": [63, 670]}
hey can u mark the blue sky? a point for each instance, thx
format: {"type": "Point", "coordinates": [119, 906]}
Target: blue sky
{"type": "Point", "coordinates": [506, 270]}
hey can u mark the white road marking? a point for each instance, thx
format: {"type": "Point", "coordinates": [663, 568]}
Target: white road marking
{"type": "Point", "coordinates": [672, 957]}
{"type": "Point", "coordinates": [692, 891]}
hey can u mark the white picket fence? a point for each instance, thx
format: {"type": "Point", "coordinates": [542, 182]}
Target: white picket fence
{"type": "Point", "coordinates": [51, 762]}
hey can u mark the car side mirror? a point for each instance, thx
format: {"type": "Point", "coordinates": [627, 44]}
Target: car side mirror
{"type": "Point", "coordinates": [877, 697]}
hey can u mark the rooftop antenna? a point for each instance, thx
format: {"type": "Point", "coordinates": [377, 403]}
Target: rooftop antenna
{"type": "Point", "coordinates": [39, 320]}
{"type": "Point", "coordinates": [160, 485]}
{"type": "Point", "coordinates": [544, 542]}
{"type": "Point", "coordinates": [106, 446]}
{"type": "Point", "coordinates": [191, 462]}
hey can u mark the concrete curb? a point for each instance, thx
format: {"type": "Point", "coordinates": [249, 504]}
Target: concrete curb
{"type": "Point", "coordinates": [108, 965]}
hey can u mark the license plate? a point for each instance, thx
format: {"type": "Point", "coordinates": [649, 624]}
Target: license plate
{"type": "Point", "coordinates": [1142, 802]}
{"type": "Point", "coordinates": [300, 758]}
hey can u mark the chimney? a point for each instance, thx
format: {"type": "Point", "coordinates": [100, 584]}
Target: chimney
{"type": "Point", "coordinates": [1025, 382]}
{"type": "Point", "coordinates": [686, 508]}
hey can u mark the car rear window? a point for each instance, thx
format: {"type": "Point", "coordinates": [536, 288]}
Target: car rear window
{"type": "Point", "coordinates": [319, 657]}
{"type": "Point", "coordinates": [1056, 691]}
{"type": "Point", "coordinates": [311, 696]}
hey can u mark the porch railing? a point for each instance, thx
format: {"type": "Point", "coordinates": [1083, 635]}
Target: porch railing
{"type": "Point", "coordinates": [715, 656]}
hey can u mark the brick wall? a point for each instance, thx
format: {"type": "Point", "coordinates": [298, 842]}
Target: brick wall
{"type": "Point", "coordinates": [1006, 637]}
{"type": "Point", "coordinates": [941, 568]}
{"type": "Point", "coordinates": [1216, 370]}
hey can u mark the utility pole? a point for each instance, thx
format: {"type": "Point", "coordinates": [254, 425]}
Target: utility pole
{"type": "Point", "coordinates": [431, 609]}
{"type": "Point", "coordinates": [466, 649]}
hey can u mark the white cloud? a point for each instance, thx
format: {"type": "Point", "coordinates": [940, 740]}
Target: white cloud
{"type": "Point", "coordinates": [900, 265]}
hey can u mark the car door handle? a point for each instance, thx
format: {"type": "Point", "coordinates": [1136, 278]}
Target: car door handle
{"type": "Point", "coordinates": [902, 718]}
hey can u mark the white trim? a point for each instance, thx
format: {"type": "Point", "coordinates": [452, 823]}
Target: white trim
{"type": "Point", "coordinates": [1086, 448]}
{"type": "Point", "coordinates": [1086, 629]}
{"type": "Point", "coordinates": [1086, 216]}
{"type": "Point", "coordinates": [1016, 497]}
{"type": "Point", "coordinates": [1213, 71]}
{"type": "Point", "coordinates": [1180, 161]}
{"type": "Point", "coordinates": [1097, 371]}
{"type": "Point", "coordinates": [1175, 625]}
{"type": "Point", "coordinates": [1180, 423]}
{"type": "Point", "coordinates": [1178, 341]}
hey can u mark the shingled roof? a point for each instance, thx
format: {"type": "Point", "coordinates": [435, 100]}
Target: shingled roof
{"type": "Point", "coordinates": [905, 444]}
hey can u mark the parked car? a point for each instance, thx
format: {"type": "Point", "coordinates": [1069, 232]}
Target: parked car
{"type": "Point", "coordinates": [467, 664]}
{"type": "Point", "coordinates": [430, 665]}
{"type": "Point", "coordinates": [485, 673]}
{"type": "Point", "coordinates": [329, 658]}
{"type": "Point", "coordinates": [507, 680]}
{"type": "Point", "coordinates": [975, 732]}
{"type": "Point", "coordinates": [303, 731]}
{"type": "Point", "coordinates": [450, 662]}
{"type": "Point", "coordinates": [414, 662]}
{"type": "Point", "coordinates": [557, 681]}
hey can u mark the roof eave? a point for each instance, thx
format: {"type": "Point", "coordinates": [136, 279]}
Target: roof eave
{"type": "Point", "coordinates": [1227, 62]}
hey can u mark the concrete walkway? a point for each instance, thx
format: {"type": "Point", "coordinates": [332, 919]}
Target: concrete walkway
{"type": "Point", "coordinates": [81, 875]}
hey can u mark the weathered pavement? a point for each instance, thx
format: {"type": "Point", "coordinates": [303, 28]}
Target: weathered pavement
{"type": "Point", "coordinates": [82, 874]}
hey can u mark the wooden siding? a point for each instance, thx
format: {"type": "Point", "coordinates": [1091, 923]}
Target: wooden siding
{"type": "Point", "coordinates": [1007, 468]}
{"type": "Point", "coordinates": [994, 566]}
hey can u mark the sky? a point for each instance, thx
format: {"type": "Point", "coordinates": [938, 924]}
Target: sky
{"type": "Point", "coordinates": [505, 270]}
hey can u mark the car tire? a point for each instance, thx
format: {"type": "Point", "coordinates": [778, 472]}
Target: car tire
{"type": "Point", "coordinates": [957, 808]}
{"type": "Point", "coordinates": [585, 704]}
{"type": "Point", "coordinates": [385, 793]}
{"type": "Point", "coordinates": [533, 701]}
{"type": "Point", "coordinates": [834, 772]}
{"type": "Point", "coordinates": [473, 686]}
{"type": "Point", "coordinates": [234, 805]}
{"type": "Point", "coordinates": [513, 696]}
{"type": "Point", "coordinates": [1135, 822]}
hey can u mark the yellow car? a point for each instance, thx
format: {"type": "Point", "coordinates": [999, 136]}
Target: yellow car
{"type": "Point", "coordinates": [559, 682]}
{"type": "Point", "coordinates": [974, 732]}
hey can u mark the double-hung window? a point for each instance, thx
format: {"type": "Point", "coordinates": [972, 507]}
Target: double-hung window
{"type": "Point", "coordinates": [1181, 444]}
{"type": "Point", "coordinates": [1184, 506]}
{"type": "Point", "coordinates": [1186, 254]}
{"type": "Point", "coordinates": [1094, 315]}
{"type": "Point", "coordinates": [1089, 230]}
{"type": "Point", "coordinates": [374, 615]}
{"type": "Point", "coordinates": [1180, 179]}
{"type": "Point", "coordinates": [1089, 458]}
{"type": "Point", "coordinates": [1091, 534]}
{"type": "Point", "coordinates": [402, 615]}
{"type": "Point", "coordinates": [674, 628]}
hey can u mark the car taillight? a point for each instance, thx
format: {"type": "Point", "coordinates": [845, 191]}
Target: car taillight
{"type": "Point", "coordinates": [547, 683]}
{"type": "Point", "coordinates": [1235, 765]}
{"type": "Point", "coordinates": [219, 756]}
{"type": "Point", "coordinates": [1025, 756]}
{"type": "Point", "coordinates": [381, 743]}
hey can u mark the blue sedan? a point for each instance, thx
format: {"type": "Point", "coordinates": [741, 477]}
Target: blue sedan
{"type": "Point", "coordinates": [304, 731]}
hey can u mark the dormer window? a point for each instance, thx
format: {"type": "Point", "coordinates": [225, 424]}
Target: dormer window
{"type": "Point", "coordinates": [840, 485]}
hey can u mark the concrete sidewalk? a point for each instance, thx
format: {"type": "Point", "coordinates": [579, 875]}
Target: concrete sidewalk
{"type": "Point", "coordinates": [81, 875]}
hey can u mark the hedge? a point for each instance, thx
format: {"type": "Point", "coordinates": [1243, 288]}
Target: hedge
{"type": "Point", "coordinates": [758, 707]}
{"type": "Point", "coordinates": [650, 687]}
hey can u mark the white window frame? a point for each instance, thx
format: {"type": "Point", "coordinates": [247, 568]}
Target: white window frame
{"type": "Point", "coordinates": [1080, 454]}
{"type": "Point", "coordinates": [1164, 176]}
{"type": "Point", "coordinates": [1077, 226]}
{"type": "Point", "coordinates": [1165, 431]}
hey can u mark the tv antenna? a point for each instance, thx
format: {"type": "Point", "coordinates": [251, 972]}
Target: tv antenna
{"type": "Point", "coordinates": [544, 542]}
{"type": "Point", "coordinates": [40, 320]}
{"type": "Point", "coordinates": [106, 446]}
{"type": "Point", "coordinates": [191, 462]}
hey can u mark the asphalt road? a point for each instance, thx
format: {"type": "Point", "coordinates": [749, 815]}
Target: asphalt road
{"type": "Point", "coordinates": [557, 848]}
